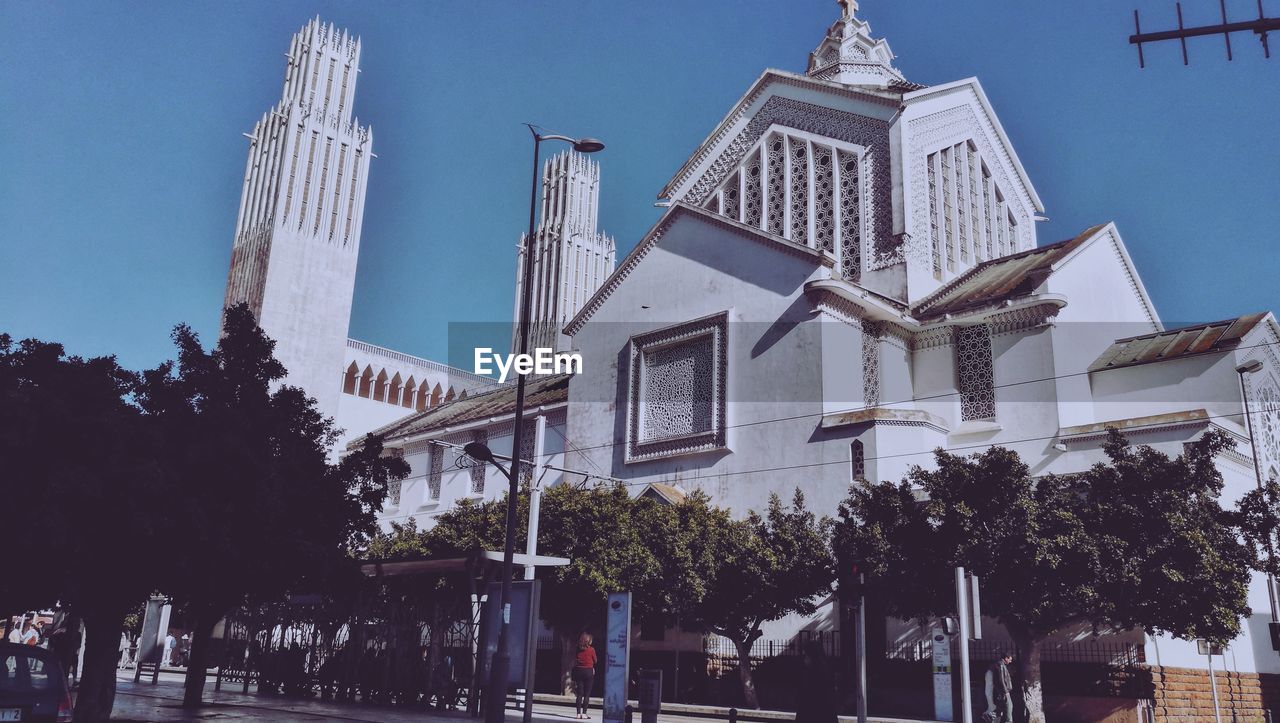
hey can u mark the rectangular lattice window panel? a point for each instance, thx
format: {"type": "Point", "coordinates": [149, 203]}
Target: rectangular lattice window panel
{"type": "Point", "coordinates": [676, 403]}
{"type": "Point", "coordinates": [436, 475]}
{"type": "Point", "coordinates": [479, 469]}
{"type": "Point", "coordinates": [974, 372]}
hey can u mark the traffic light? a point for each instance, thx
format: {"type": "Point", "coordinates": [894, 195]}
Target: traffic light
{"type": "Point", "coordinates": [857, 583]}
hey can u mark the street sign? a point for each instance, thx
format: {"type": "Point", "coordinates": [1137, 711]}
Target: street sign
{"type": "Point", "coordinates": [942, 707]}
{"type": "Point", "coordinates": [1202, 647]}
{"type": "Point", "coordinates": [616, 643]}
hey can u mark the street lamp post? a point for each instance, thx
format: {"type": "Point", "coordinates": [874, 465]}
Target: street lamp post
{"type": "Point", "coordinates": [1250, 367]}
{"type": "Point", "coordinates": [500, 666]}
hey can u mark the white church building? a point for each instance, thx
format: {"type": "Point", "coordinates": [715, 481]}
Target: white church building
{"type": "Point", "coordinates": [848, 276]}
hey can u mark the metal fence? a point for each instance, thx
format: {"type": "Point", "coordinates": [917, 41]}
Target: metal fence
{"type": "Point", "coordinates": [722, 653]}
{"type": "Point", "coordinates": [1114, 653]}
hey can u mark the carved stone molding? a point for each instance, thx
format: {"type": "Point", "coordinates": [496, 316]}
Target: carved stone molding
{"type": "Point", "coordinates": [935, 338]}
{"type": "Point", "coordinates": [1022, 319]}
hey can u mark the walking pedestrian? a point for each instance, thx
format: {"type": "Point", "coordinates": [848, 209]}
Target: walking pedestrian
{"type": "Point", "coordinates": [998, 685]}
{"type": "Point", "coordinates": [170, 643]}
{"type": "Point", "coordinates": [583, 675]}
{"type": "Point", "coordinates": [124, 651]}
{"type": "Point", "coordinates": [817, 689]}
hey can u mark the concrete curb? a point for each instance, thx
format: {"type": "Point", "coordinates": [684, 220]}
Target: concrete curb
{"type": "Point", "coordinates": [710, 711]}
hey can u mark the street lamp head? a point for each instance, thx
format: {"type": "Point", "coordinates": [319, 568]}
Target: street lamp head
{"type": "Point", "coordinates": [479, 451]}
{"type": "Point", "coordinates": [1249, 367]}
{"type": "Point", "coordinates": [588, 145]}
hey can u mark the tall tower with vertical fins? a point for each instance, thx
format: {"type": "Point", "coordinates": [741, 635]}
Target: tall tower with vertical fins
{"type": "Point", "coordinates": [297, 237]}
{"type": "Point", "coordinates": [571, 258]}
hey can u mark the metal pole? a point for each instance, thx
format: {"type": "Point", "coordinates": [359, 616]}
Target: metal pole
{"type": "Point", "coordinates": [1257, 474]}
{"type": "Point", "coordinates": [499, 668]}
{"type": "Point", "coordinates": [1213, 685]}
{"type": "Point", "coordinates": [861, 631]}
{"type": "Point", "coordinates": [962, 612]}
{"type": "Point", "coordinates": [535, 494]}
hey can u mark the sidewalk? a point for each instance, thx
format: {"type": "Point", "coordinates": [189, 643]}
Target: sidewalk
{"type": "Point", "coordinates": [161, 702]}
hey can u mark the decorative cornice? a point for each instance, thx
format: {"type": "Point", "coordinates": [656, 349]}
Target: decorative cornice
{"type": "Point", "coordinates": [933, 338]}
{"type": "Point", "coordinates": [896, 335]}
{"type": "Point", "coordinates": [1029, 317]}
{"type": "Point", "coordinates": [887, 416]}
{"type": "Point", "coordinates": [837, 307]}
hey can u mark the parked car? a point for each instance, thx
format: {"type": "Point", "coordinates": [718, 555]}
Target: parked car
{"type": "Point", "coordinates": [32, 685]}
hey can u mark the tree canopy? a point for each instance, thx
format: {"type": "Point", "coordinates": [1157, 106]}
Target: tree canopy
{"type": "Point", "coordinates": [263, 510]}
{"type": "Point", "coordinates": [1109, 547]}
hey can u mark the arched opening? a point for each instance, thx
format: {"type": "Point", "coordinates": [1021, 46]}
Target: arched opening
{"type": "Point", "coordinates": [857, 461]}
{"type": "Point", "coordinates": [366, 382]}
{"type": "Point", "coordinates": [410, 388]}
{"type": "Point", "coordinates": [449, 397]}
{"type": "Point", "coordinates": [435, 395]}
{"type": "Point", "coordinates": [380, 386]}
{"type": "Point", "coordinates": [393, 393]}
{"type": "Point", "coordinates": [423, 398]}
{"type": "Point", "coordinates": [349, 379]}
{"type": "Point", "coordinates": [462, 395]}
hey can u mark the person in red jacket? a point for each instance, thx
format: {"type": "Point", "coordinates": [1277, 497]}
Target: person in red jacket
{"type": "Point", "coordinates": [584, 674]}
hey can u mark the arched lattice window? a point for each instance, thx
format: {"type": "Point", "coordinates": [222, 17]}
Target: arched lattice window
{"type": "Point", "coordinates": [969, 220]}
{"type": "Point", "coordinates": [804, 188]}
{"type": "Point", "coordinates": [857, 461]}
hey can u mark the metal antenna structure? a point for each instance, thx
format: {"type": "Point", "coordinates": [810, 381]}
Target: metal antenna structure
{"type": "Point", "coordinates": [1260, 27]}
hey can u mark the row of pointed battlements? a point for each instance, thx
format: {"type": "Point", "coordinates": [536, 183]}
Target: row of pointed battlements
{"type": "Point", "coordinates": [316, 34]}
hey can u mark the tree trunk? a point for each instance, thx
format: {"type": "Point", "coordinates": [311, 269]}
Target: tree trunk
{"type": "Point", "coordinates": [202, 630]}
{"type": "Point", "coordinates": [1029, 677]}
{"type": "Point", "coordinates": [568, 653]}
{"type": "Point", "coordinates": [97, 693]}
{"type": "Point", "coordinates": [750, 699]}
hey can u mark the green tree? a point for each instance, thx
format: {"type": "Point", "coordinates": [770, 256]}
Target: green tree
{"type": "Point", "coordinates": [262, 510]}
{"type": "Point", "coordinates": [1140, 541]}
{"type": "Point", "coordinates": [84, 502]}
{"type": "Point", "coordinates": [614, 543]}
{"type": "Point", "coordinates": [754, 571]}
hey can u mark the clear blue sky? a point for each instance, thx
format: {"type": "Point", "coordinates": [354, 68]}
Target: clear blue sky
{"type": "Point", "coordinates": [121, 156]}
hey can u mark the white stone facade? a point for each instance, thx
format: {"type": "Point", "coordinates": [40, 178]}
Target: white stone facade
{"type": "Point", "coordinates": [298, 233]}
{"type": "Point", "coordinates": [297, 244]}
{"type": "Point", "coordinates": [849, 278]}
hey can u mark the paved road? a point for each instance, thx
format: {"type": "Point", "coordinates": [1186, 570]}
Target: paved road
{"type": "Point", "coordinates": [160, 703]}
